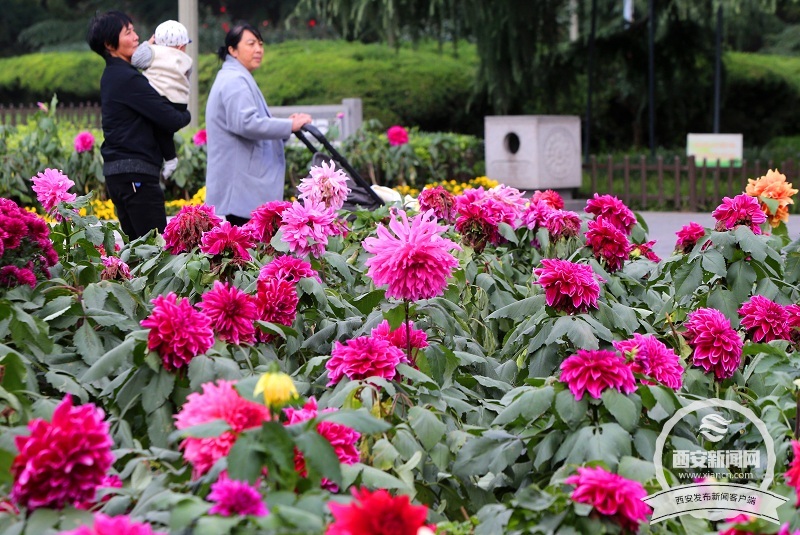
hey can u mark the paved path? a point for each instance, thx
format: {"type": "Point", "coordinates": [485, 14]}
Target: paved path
{"type": "Point", "coordinates": [663, 226]}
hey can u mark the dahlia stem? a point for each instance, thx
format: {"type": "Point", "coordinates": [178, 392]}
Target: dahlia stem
{"type": "Point", "coordinates": [408, 332]}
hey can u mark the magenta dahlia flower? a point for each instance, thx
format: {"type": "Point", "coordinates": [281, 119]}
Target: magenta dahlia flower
{"type": "Point", "coordinates": [234, 498]}
{"type": "Point", "coordinates": [265, 222]}
{"type": "Point", "coordinates": [200, 137]}
{"type": "Point", "coordinates": [232, 313]}
{"type": "Point", "coordinates": [478, 227]}
{"type": "Point", "coordinates": [12, 276]}
{"type": "Point", "coordinates": [688, 236]}
{"type": "Point", "coordinates": [608, 243]}
{"type": "Point", "coordinates": [288, 268]}
{"type": "Point", "coordinates": [508, 202]}
{"type": "Point", "coordinates": [535, 214]}
{"type": "Point", "coordinates": [765, 320]}
{"type": "Point", "coordinates": [326, 185]}
{"type": "Point", "coordinates": [399, 337]}
{"type": "Point", "coordinates": [568, 287]}
{"type": "Point", "coordinates": [611, 495]}
{"type": "Point", "coordinates": [84, 141]}
{"type": "Point", "coordinates": [185, 231]}
{"type": "Point", "coordinates": [438, 199]}
{"type": "Point", "coordinates": [178, 331]}
{"type": "Point", "coordinates": [741, 210]}
{"type": "Point", "coordinates": [342, 438]}
{"type": "Point", "coordinates": [114, 525]}
{"type": "Point", "coordinates": [363, 357]}
{"type": "Point", "coordinates": [645, 250]}
{"type": "Point", "coordinates": [792, 474]}
{"type": "Point", "coordinates": [114, 269]}
{"type": "Point", "coordinates": [717, 347]}
{"type": "Point", "coordinates": [306, 227]}
{"type": "Point", "coordinates": [397, 135]}
{"type": "Point", "coordinates": [549, 198]}
{"type": "Point", "coordinates": [63, 461]}
{"type": "Point", "coordinates": [415, 262]}
{"type": "Point", "coordinates": [561, 224]}
{"type": "Point", "coordinates": [613, 210]}
{"type": "Point", "coordinates": [218, 401]}
{"type": "Point", "coordinates": [277, 301]}
{"type": "Point", "coordinates": [227, 240]}
{"type": "Point", "coordinates": [793, 321]}
{"type": "Point", "coordinates": [649, 356]}
{"type": "Point", "coordinates": [596, 371]}
{"type": "Point", "coordinates": [51, 187]}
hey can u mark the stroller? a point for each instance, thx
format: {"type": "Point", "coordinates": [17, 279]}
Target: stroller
{"type": "Point", "coordinates": [361, 194]}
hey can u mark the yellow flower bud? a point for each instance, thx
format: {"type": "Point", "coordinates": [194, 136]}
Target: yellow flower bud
{"type": "Point", "coordinates": [278, 389]}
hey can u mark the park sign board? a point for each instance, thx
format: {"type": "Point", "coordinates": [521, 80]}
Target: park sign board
{"type": "Point", "coordinates": [727, 148]}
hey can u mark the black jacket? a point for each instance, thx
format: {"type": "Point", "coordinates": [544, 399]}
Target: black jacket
{"type": "Point", "coordinates": [134, 114]}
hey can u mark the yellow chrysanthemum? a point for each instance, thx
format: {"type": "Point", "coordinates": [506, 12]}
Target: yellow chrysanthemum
{"type": "Point", "coordinates": [278, 389]}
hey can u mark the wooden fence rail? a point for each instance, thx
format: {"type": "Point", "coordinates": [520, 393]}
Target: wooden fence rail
{"type": "Point", "coordinates": [674, 184]}
{"type": "Point", "coordinates": [84, 113]}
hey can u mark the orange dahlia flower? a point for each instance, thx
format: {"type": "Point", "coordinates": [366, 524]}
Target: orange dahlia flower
{"type": "Point", "coordinates": [773, 186]}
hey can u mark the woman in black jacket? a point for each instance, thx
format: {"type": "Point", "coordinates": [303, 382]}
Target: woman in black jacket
{"type": "Point", "coordinates": [132, 113]}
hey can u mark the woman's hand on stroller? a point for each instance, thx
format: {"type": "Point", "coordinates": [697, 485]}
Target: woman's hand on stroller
{"type": "Point", "coordinates": [299, 120]}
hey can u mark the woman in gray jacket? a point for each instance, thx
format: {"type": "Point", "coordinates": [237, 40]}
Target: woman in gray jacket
{"type": "Point", "coordinates": [246, 162]}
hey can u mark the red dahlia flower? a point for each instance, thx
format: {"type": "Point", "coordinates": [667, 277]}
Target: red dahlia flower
{"type": "Point", "coordinates": [596, 371]}
{"type": "Point", "coordinates": [717, 347]}
{"type": "Point", "coordinates": [376, 513]}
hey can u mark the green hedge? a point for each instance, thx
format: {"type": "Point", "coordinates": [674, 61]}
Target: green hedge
{"type": "Point", "coordinates": [413, 87]}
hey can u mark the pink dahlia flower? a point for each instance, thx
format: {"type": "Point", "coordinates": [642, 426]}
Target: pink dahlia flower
{"type": "Point", "coordinates": [326, 185]}
{"type": "Point", "coordinates": [277, 301]}
{"type": "Point", "coordinates": [200, 137]}
{"type": "Point", "coordinates": [185, 231]}
{"type": "Point", "coordinates": [562, 224]}
{"type": "Point", "coordinates": [477, 226]}
{"type": "Point", "coordinates": [397, 135]}
{"type": "Point", "coordinates": [306, 227]}
{"type": "Point", "coordinates": [652, 358]}
{"type": "Point", "coordinates": [51, 187]}
{"type": "Point", "coordinates": [613, 210]}
{"type": "Point", "coordinates": [549, 198]}
{"type": "Point", "coordinates": [717, 347]}
{"type": "Point", "coordinates": [233, 498]}
{"type": "Point", "coordinates": [114, 269]}
{"type": "Point", "coordinates": [377, 513]}
{"type": "Point", "coordinates": [363, 357]}
{"type": "Point", "coordinates": [507, 201]}
{"type": "Point", "coordinates": [536, 214]}
{"type": "Point", "coordinates": [12, 276]}
{"type": "Point", "coordinates": [63, 461]}
{"type": "Point", "coordinates": [399, 337]}
{"type": "Point", "coordinates": [218, 401]}
{"type": "Point", "coordinates": [595, 371]}
{"type": "Point", "coordinates": [568, 287]}
{"type": "Point", "coordinates": [232, 313]}
{"type": "Point", "coordinates": [645, 250]}
{"type": "Point", "coordinates": [342, 438]}
{"type": "Point", "coordinates": [793, 473]}
{"type": "Point", "coordinates": [109, 482]}
{"type": "Point", "coordinates": [793, 321]}
{"type": "Point", "coordinates": [438, 199]}
{"type": "Point", "coordinates": [611, 495]}
{"type": "Point", "coordinates": [84, 141]}
{"type": "Point", "coordinates": [114, 525]}
{"type": "Point", "coordinates": [688, 236]}
{"type": "Point", "coordinates": [265, 222]}
{"type": "Point", "coordinates": [415, 262]}
{"type": "Point", "coordinates": [765, 320]}
{"type": "Point", "coordinates": [178, 331]}
{"type": "Point", "coordinates": [227, 240]}
{"type": "Point", "coordinates": [608, 243]}
{"type": "Point", "coordinates": [288, 268]}
{"type": "Point", "coordinates": [741, 210]}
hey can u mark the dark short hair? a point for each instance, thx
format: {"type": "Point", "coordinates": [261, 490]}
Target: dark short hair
{"type": "Point", "coordinates": [234, 37]}
{"type": "Point", "coordinates": [105, 29]}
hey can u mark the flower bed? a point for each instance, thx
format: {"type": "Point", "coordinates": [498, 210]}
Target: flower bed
{"type": "Point", "coordinates": [490, 364]}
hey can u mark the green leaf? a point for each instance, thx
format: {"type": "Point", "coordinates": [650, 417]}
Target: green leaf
{"type": "Point", "coordinates": [741, 277]}
{"type": "Point", "coordinates": [319, 455]}
{"type": "Point", "coordinates": [427, 426]}
{"type": "Point", "coordinates": [245, 459]}
{"type": "Point", "coordinates": [338, 262]}
{"type": "Point", "coordinates": [725, 301]}
{"type": "Point", "coordinates": [751, 243]}
{"type": "Point", "coordinates": [636, 469]}
{"type": "Point", "coordinates": [521, 309]}
{"type": "Point", "coordinates": [158, 390]}
{"type": "Point", "coordinates": [580, 333]}
{"type": "Point", "coordinates": [492, 452]}
{"type": "Point", "coordinates": [94, 296]}
{"type": "Point", "coordinates": [360, 420]}
{"type": "Point", "coordinates": [88, 343]}
{"type": "Point", "coordinates": [372, 477]}
{"type": "Point", "coordinates": [395, 316]}
{"type": "Point", "coordinates": [571, 411]}
{"type": "Point", "coordinates": [530, 405]}
{"type": "Point", "coordinates": [214, 428]}
{"type": "Point", "coordinates": [42, 521]}
{"type": "Point", "coordinates": [713, 262]}
{"type": "Point", "coordinates": [366, 303]}
{"type": "Point", "coordinates": [507, 231]}
{"type": "Point", "coordinates": [687, 279]}
{"type": "Point", "coordinates": [159, 426]}
{"type": "Point", "coordinates": [621, 408]}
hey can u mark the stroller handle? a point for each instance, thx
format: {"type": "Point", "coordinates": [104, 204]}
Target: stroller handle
{"type": "Point", "coordinates": [341, 160]}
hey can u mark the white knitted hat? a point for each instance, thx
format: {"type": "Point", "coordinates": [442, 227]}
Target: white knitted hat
{"type": "Point", "coordinates": [172, 33]}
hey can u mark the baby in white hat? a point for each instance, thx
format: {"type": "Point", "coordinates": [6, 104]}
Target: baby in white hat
{"type": "Point", "coordinates": [165, 63]}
